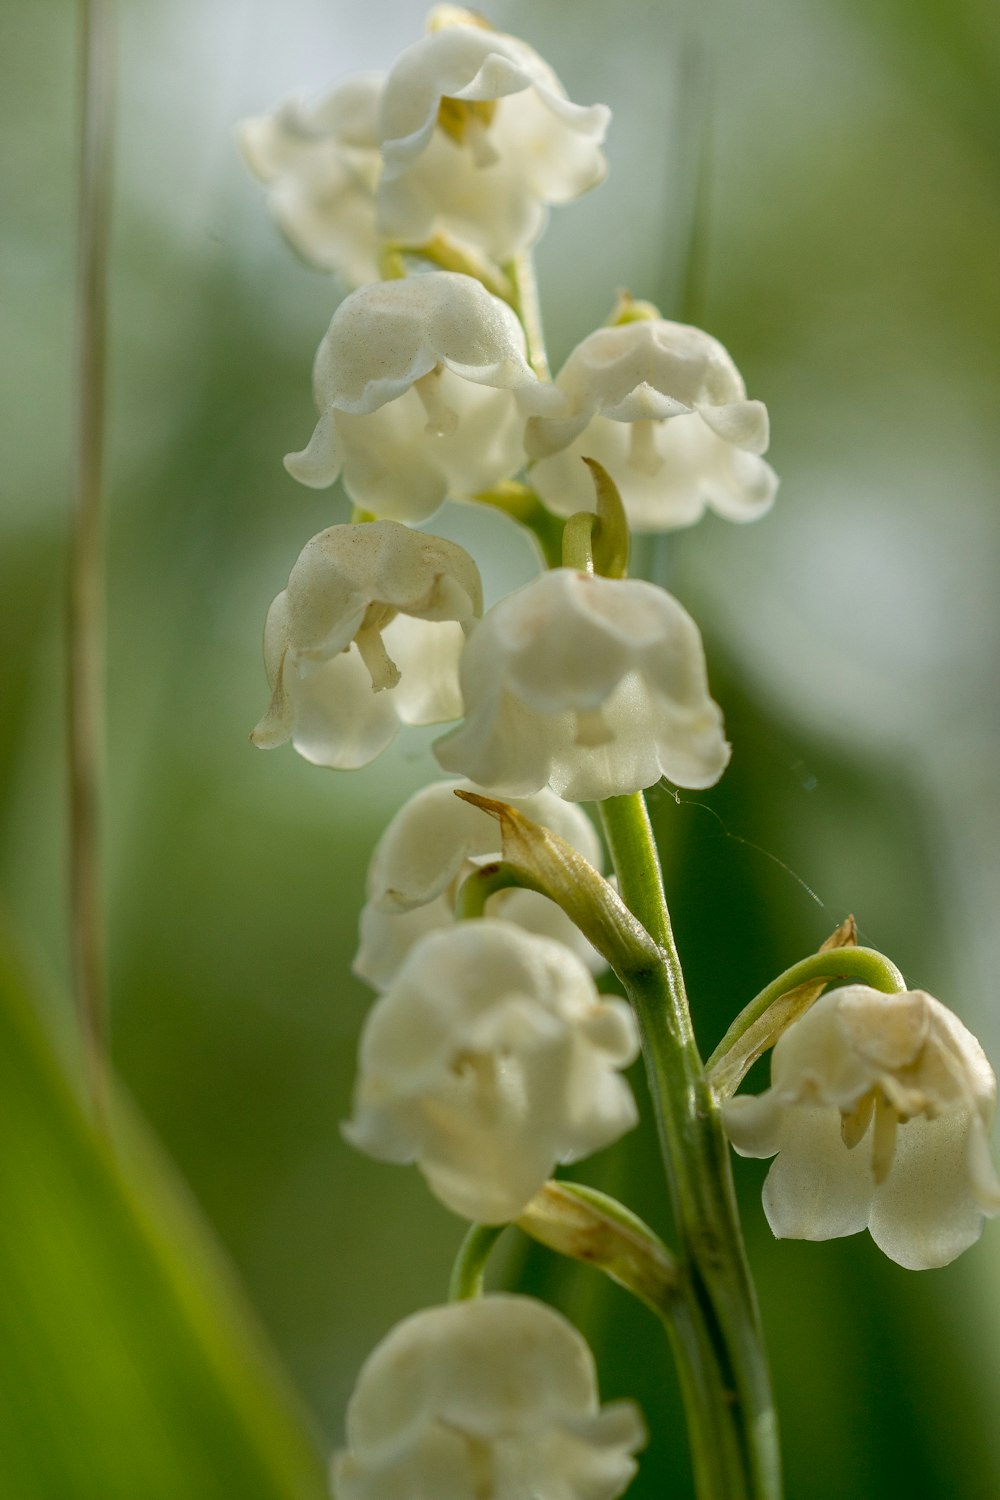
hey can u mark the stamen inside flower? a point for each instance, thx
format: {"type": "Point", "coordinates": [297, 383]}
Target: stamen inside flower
{"type": "Point", "coordinates": [642, 455]}
{"type": "Point", "coordinates": [592, 728]}
{"type": "Point", "coordinates": [478, 1065]}
{"type": "Point", "coordinates": [381, 668]}
{"type": "Point", "coordinates": [480, 1455]}
{"type": "Point", "coordinates": [480, 1071]}
{"type": "Point", "coordinates": [854, 1125]}
{"type": "Point", "coordinates": [467, 123]}
{"type": "Point", "coordinates": [441, 419]}
{"type": "Point", "coordinates": [883, 1138]}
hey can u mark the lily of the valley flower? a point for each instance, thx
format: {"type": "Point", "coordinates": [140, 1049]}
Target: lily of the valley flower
{"type": "Point", "coordinates": [422, 385]}
{"type": "Point", "coordinates": [478, 137]}
{"type": "Point", "coordinates": [367, 634]}
{"type": "Point", "coordinates": [594, 686]}
{"type": "Point", "coordinates": [490, 1058]}
{"type": "Point", "coordinates": [879, 1112]}
{"type": "Point", "coordinates": [492, 1397]}
{"type": "Point", "coordinates": [432, 844]}
{"type": "Point", "coordinates": [321, 164]}
{"type": "Point", "coordinates": [664, 409]}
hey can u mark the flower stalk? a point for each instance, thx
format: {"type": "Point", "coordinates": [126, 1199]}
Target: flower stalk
{"type": "Point", "coordinates": [525, 301]}
{"type": "Point", "coordinates": [86, 582]}
{"type": "Point", "coordinates": [760, 1023]}
{"type": "Point", "coordinates": [725, 1378]}
{"type": "Point", "coordinates": [468, 1274]}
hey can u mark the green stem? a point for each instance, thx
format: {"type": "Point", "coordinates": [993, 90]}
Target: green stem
{"type": "Point", "coordinates": [723, 1367]}
{"type": "Point", "coordinates": [86, 582]}
{"type": "Point", "coordinates": [522, 504]}
{"type": "Point", "coordinates": [787, 997]}
{"type": "Point", "coordinates": [449, 255]}
{"type": "Point", "coordinates": [469, 1269]}
{"type": "Point", "coordinates": [521, 271]}
{"type": "Point", "coordinates": [477, 888]}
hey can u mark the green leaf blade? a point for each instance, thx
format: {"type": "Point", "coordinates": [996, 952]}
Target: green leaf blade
{"type": "Point", "coordinates": [129, 1368]}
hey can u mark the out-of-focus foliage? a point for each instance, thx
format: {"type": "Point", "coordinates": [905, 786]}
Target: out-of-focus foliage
{"type": "Point", "coordinates": [846, 253]}
{"type": "Point", "coordinates": [126, 1364]}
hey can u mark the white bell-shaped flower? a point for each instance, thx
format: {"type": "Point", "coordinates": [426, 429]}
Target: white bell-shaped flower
{"type": "Point", "coordinates": [422, 385]}
{"type": "Point", "coordinates": [432, 844]}
{"type": "Point", "coordinates": [478, 137]}
{"type": "Point", "coordinates": [879, 1111]}
{"type": "Point", "coordinates": [662, 406]}
{"type": "Point", "coordinates": [367, 634]}
{"type": "Point", "coordinates": [594, 686]}
{"type": "Point", "coordinates": [490, 1058]}
{"type": "Point", "coordinates": [494, 1397]}
{"type": "Point", "coordinates": [321, 164]}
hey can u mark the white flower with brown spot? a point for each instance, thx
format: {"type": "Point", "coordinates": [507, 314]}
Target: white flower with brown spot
{"type": "Point", "coordinates": [878, 1113]}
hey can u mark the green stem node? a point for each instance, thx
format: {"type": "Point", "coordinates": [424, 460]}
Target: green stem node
{"type": "Point", "coordinates": [448, 255]}
{"type": "Point", "coordinates": [597, 541]}
{"type": "Point", "coordinates": [586, 1225]}
{"type": "Point", "coordinates": [539, 860]}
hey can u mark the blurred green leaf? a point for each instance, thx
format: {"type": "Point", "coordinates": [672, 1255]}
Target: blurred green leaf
{"type": "Point", "coordinates": [128, 1367]}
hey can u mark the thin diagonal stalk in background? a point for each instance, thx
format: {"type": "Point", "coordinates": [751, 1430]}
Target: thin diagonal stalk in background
{"type": "Point", "coordinates": [86, 675]}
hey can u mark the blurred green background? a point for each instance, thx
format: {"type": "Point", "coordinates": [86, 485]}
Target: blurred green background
{"type": "Point", "coordinates": [847, 253]}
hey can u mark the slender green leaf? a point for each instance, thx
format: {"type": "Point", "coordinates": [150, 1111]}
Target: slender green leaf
{"type": "Point", "coordinates": [129, 1369]}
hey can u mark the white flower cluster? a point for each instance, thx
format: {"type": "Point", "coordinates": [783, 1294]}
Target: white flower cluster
{"type": "Point", "coordinates": [426, 390]}
{"type": "Point", "coordinates": [489, 1057]}
{"type": "Point", "coordinates": [470, 135]}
